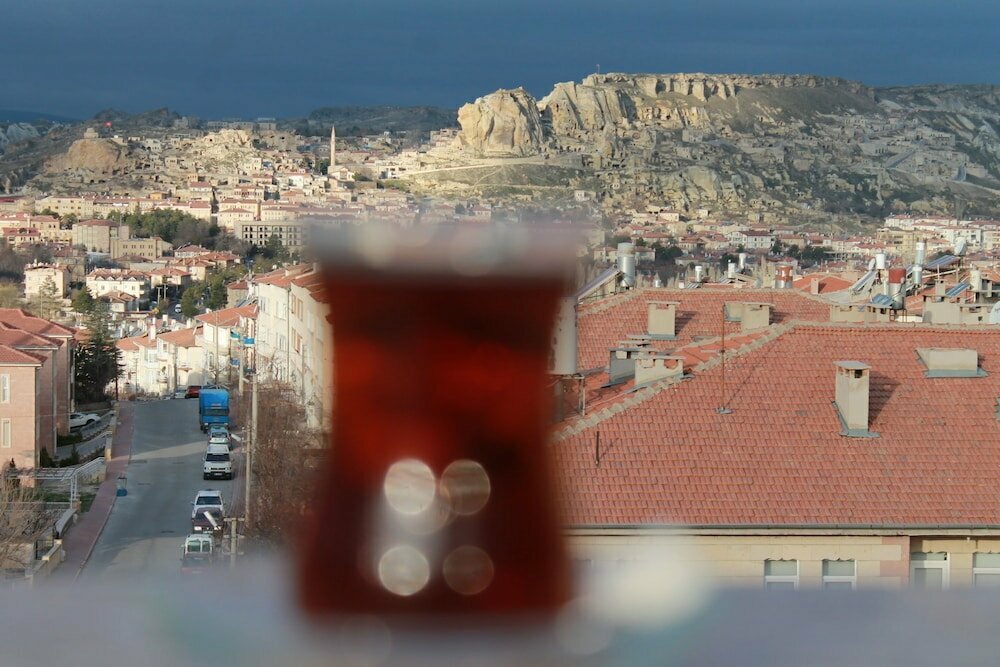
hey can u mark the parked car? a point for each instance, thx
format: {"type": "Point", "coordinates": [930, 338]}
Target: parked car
{"type": "Point", "coordinates": [79, 419]}
{"type": "Point", "coordinates": [193, 391]}
{"type": "Point", "coordinates": [207, 499]}
{"type": "Point", "coordinates": [207, 521]}
{"type": "Point", "coordinates": [219, 435]}
{"type": "Point", "coordinates": [197, 554]}
{"type": "Point", "coordinates": [217, 462]}
{"type": "Point", "coordinates": [177, 309]}
{"type": "Point", "coordinates": [180, 392]}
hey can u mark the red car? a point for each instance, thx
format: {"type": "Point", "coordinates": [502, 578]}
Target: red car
{"type": "Point", "coordinates": [193, 391]}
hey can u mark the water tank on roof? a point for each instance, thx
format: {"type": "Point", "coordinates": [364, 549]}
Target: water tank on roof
{"type": "Point", "coordinates": [921, 253]}
{"type": "Point", "coordinates": [626, 263]}
{"type": "Point", "coordinates": [563, 357]}
{"type": "Point", "coordinates": [880, 261]}
{"type": "Point", "coordinates": [699, 272]}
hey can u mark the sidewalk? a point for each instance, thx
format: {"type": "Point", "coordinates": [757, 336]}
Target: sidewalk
{"type": "Point", "coordinates": [95, 441]}
{"type": "Point", "coordinates": [81, 539]}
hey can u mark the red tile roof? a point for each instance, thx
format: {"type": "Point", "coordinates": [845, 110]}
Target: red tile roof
{"type": "Point", "coordinates": [182, 337]}
{"type": "Point", "coordinates": [228, 317]}
{"type": "Point", "coordinates": [18, 319]}
{"type": "Point", "coordinates": [20, 338]}
{"type": "Point", "coordinates": [602, 324]}
{"type": "Point", "coordinates": [827, 283]}
{"type": "Point", "coordinates": [134, 343]}
{"type": "Point", "coordinates": [9, 357]}
{"type": "Point", "coordinates": [282, 277]}
{"type": "Point", "coordinates": [668, 457]}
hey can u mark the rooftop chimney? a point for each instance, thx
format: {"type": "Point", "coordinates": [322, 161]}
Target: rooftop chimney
{"type": "Point", "coordinates": [783, 276]}
{"type": "Point", "coordinates": [621, 364]}
{"type": "Point", "coordinates": [852, 394]}
{"type": "Point", "coordinates": [654, 367]}
{"type": "Point", "coordinates": [942, 362]}
{"type": "Point", "coordinates": [940, 289]}
{"type": "Point", "coordinates": [662, 320]}
{"type": "Point", "coordinates": [815, 285]}
{"type": "Point", "coordinates": [733, 311]}
{"type": "Point", "coordinates": [755, 316]}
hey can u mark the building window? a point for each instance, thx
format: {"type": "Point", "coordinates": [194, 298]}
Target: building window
{"type": "Point", "coordinates": [839, 574]}
{"type": "Point", "coordinates": [5, 433]}
{"type": "Point", "coordinates": [781, 574]}
{"type": "Point", "coordinates": [5, 388]}
{"type": "Point", "coordinates": [986, 570]}
{"type": "Point", "coordinates": [929, 570]}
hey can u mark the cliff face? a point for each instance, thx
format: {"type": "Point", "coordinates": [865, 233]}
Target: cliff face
{"type": "Point", "coordinates": [669, 100]}
{"type": "Point", "coordinates": [783, 147]}
{"type": "Point", "coordinates": [502, 124]}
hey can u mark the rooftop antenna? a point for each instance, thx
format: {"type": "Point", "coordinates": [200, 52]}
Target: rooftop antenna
{"type": "Point", "coordinates": [723, 409]}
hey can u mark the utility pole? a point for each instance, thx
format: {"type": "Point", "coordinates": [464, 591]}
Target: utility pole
{"type": "Point", "coordinates": [251, 441]}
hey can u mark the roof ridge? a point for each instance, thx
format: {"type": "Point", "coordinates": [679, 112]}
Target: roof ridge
{"type": "Point", "coordinates": [605, 303]}
{"type": "Point", "coordinates": [641, 395]}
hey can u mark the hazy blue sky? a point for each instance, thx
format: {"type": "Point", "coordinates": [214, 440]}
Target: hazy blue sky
{"type": "Point", "coordinates": [247, 58]}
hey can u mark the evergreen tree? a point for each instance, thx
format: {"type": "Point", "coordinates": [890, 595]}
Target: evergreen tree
{"type": "Point", "coordinates": [189, 300]}
{"type": "Point", "coordinates": [47, 303]}
{"type": "Point", "coordinates": [97, 358]}
{"type": "Point", "coordinates": [83, 302]}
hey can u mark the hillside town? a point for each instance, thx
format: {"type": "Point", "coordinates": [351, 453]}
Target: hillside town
{"type": "Point", "coordinates": [181, 262]}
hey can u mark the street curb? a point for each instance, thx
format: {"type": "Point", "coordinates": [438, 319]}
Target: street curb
{"type": "Point", "coordinates": [114, 498]}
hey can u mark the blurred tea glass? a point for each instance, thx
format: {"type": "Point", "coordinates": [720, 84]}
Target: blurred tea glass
{"type": "Point", "coordinates": [436, 497]}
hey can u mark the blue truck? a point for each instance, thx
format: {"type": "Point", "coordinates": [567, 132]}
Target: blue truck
{"type": "Point", "coordinates": [213, 407]}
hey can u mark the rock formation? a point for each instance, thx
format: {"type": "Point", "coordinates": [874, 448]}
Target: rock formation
{"type": "Point", "coordinates": [17, 132]}
{"type": "Point", "coordinates": [502, 124]}
{"type": "Point", "coordinates": [99, 156]}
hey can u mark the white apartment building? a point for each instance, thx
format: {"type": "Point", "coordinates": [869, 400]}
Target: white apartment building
{"type": "Point", "coordinates": [36, 275]}
{"type": "Point", "coordinates": [183, 356]}
{"type": "Point", "coordinates": [141, 367]}
{"type": "Point", "coordinates": [293, 341]}
{"type": "Point", "coordinates": [103, 281]}
{"type": "Point", "coordinates": [220, 332]}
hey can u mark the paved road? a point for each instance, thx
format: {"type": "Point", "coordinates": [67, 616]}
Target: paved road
{"type": "Point", "coordinates": [144, 534]}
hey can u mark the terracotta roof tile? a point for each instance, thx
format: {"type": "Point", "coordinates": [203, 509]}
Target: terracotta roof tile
{"type": "Point", "coordinates": [228, 317]}
{"type": "Point", "coordinates": [182, 337]}
{"type": "Point", "coordinates": [19, 319]}
{"type": "Point", "coordinates": [602, 324]}
{"type": "Point", "coordinates": [10, 356]}
{"type": "Point", "coordinates": [668, 457]}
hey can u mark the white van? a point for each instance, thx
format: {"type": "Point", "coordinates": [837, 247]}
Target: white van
{"type": "Point", "coordinates": [218, 463]}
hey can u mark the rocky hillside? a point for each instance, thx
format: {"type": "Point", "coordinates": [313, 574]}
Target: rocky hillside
{"type": "Point", "coordinates": [787, 148]}
{"type": "Point", "coordinates": [354, 121]}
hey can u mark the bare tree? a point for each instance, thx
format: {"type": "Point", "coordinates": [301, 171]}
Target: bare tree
{"type": "Point", "coordinates": [22, 521]}
{"type": "Point", "coordinates": [285, 457]}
